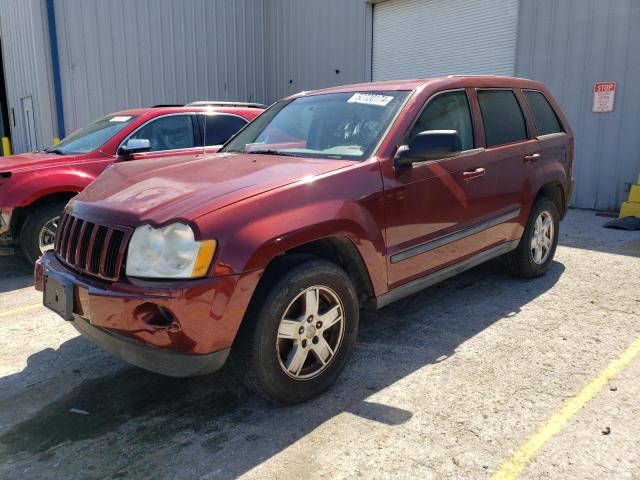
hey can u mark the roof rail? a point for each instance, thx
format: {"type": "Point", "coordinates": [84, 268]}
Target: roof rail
{"type": "Point", "coordinates": [165, 105]}
{"type": "Point", "coordinates": [207, 103]}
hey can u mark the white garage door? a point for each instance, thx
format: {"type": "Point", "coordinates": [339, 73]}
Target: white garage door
{"type": "Point", "coordinates": [425, 38]}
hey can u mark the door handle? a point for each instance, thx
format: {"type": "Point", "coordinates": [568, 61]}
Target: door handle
{"type": "Point", "coordinates": [532, 158]}
{"type": "Point", "coordinates": [478, 172]}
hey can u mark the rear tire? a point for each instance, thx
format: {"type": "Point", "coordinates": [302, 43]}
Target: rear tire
{"type": "Point", "coordinates": [537, 246]}
{"type": "Point", "coordinates": [40, 225]}
{"type": "Point", "coordinates": [284, 352]}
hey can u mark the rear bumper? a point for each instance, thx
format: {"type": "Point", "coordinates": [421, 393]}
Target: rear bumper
{"type": "Point", "coordinates": [152, 324]}
{"type": "Point", "coordinates": [156, 360]}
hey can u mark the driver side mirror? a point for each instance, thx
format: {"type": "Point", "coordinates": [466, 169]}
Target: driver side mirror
{"type": "Point", "coordinates": [133, 146]}
{"type": "Point", "coordinates": [429, 145]}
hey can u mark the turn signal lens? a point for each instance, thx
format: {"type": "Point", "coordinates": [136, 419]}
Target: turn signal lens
{"type": "Point", "coordinates": [203, 260]}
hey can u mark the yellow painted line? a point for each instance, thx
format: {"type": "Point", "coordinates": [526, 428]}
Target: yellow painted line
{"type": "Point", "coordinates": [6, 313]}
{"type": "Point", "coordinates": [527, 452]}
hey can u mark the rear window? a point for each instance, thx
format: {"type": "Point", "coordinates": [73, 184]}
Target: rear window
{"type": "Point", "coordinates": [502, 117]}
{"type": "Point", "coordinates": [220, 127]}
{"type": "Point", "coordinates": [543, 114]}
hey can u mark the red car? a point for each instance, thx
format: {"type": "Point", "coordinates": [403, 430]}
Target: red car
{"type": "Point", "coordinates": [34, 187]}
{"type": "Point", "coordinates": [331, 201]}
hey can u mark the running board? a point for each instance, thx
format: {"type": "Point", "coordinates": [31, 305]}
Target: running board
{"type": "Point", "coordinates": [448, 272]}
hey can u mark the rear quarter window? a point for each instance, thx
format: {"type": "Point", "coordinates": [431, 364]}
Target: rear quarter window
{"type": "Point", "coordinates": [502, 117]}
{"type": "Point", "coordinates": [220, 127]}
{"type": "Point", "coordinates": [543, 114]}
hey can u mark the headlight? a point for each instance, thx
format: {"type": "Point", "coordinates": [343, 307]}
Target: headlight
{"type": "Point", "coordinates": [169, 252]}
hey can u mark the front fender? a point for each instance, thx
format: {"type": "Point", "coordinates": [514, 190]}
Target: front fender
{"type": "Point", "coordinates": [24, 188]}
{"type": "Point", "coordinates": [253, 232]}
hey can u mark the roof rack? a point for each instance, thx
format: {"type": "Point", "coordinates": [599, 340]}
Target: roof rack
{"type": "Point", "coordinates": [207, 103]}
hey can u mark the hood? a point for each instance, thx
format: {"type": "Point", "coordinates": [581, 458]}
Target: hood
{"type": "Point", "coordinates": [184, 188]}
{"type": "Point", "coordinates": [32, 161]}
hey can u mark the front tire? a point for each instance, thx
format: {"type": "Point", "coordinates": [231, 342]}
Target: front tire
{"type": "Point", "coordinates": [39, 230]}
{"type": "Point", "coordinates": [299, 332]}
{"type": "Point", "coordinates": [536, 249]}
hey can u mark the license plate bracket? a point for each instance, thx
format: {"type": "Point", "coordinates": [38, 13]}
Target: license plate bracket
{"type": "Point", "coordinates": [58, 295]}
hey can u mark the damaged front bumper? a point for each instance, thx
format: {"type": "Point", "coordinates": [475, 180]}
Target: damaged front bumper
{"type": "Point", "coordinates": [5, 220]}
{"type": "Point", "coordinates": [6, 237]}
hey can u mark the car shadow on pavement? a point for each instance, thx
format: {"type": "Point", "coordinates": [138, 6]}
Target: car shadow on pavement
{"type": "Point", "coordinates": [15, 272]}
{"type": "Point", "coordinates": [130, 423]}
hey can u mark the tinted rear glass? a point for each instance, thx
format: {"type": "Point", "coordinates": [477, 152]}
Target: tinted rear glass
{"type": "Point", "coordinates": [221, 127]}
{"type": "Point", "coordinates": [543, 114]}
{"type": "Point", "coordinates": [502, 117]}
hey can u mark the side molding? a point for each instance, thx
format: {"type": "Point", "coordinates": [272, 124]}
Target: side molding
{"type": "Point", "coordinates": [452, 237]}
{"type": "Point", "coordinates": [436, 277]}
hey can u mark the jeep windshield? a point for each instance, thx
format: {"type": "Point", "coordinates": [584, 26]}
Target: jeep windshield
{"type": "Point", "coordinates": [333, 125]}
{"type": "Point", "coordinates": [93, 136]}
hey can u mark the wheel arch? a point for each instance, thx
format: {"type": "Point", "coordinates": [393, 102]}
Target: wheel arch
{"type": "Point", "coordinates": [339, 250]}
{"type": "Point", "coordinates": [555, 192]}
{"type": "Point", "coordinates": [20, 214]}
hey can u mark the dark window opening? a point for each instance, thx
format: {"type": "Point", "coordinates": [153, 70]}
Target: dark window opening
{"type": "Point", "coordinates": [502, 117]}
{"type": "Point", "coordinates": [221, 127]}
{"type": "Point", "coordinates": [543, 114]}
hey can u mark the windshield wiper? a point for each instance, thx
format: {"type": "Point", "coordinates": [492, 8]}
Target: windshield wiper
{"type": "Point", "coordinates": [272, 152]}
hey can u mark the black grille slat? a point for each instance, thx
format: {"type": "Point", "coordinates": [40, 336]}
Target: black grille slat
{"type": "Point", "coordinates": [84, 245]}
{"type": "Point", "coordinates": [94, 264]}
{"type": "Point", "coordinates": [73, 242]}
{"type": "Point", "coordinates": [112, 253]}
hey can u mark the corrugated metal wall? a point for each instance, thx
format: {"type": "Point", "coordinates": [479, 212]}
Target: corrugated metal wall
{"type": "Point", "coordinates": [123, 54]}
{"type": "Point", "coordinates": [418, 38]}
{"type": "Point", "coordinates": [569, 45]}
{"type": "Point", "coordinates": [314, 44]}
{"type": "Point", "coordinates": [25, 47]}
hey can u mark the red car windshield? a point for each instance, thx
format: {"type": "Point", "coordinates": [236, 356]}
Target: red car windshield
{"type": "Point", "coordinates": [93, 136]}
{"type": "Point", "coordinates": [334, 125]}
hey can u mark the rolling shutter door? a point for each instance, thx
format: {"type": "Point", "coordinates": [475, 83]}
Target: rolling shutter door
{"type": "Point", "coordinates": [425, 38]}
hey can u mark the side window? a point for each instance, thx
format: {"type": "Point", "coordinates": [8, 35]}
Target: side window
{"type": "Point", "coordinates": [447, 111]}
{"type": "Point", "coordinates": [502, 117]}
{"type": "Point", "coordinates": [543, 114]}
{"type": "Point", "coordinates": [168, 133]}
{"type": "Point", "coordinates": [220, 127]}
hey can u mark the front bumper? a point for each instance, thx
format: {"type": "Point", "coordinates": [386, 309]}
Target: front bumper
{"type": "Point", "coordinates": [157, 360]}
{"type": "Point", "coordinates": [5, 220]}
{"type": "Point", "coordinates": [178, 328]}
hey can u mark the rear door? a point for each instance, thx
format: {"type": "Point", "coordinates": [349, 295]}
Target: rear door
{"type": "Point", "coordinates": [512, 156]}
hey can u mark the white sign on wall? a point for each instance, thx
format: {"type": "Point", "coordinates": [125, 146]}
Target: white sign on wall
{"type": "Point", "coordinates": [603, 96]}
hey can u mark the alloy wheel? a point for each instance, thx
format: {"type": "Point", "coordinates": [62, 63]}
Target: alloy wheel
{"type": "Point", "coordinates": [310, 332]}
{"type": "Point", "coordinates": [47, 235]}
{"type": "Point", "coordinates": [542, 238]}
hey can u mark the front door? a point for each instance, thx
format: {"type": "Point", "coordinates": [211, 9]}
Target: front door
{"type": "Point", "coordinates": [432, 208]}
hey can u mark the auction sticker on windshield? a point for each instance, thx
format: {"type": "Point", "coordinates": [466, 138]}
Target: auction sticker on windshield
{"type": "Point", "coordinates": [121, 118]}
{"type": "Point", "coordinates": [370, 99]}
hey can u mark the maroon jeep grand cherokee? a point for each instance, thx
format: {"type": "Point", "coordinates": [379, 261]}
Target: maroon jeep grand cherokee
{"type": "Point", "coordinates": [330, 201]}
